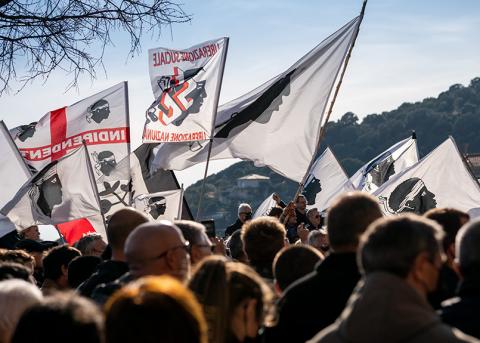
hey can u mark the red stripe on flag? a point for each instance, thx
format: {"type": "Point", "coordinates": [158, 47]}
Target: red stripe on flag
{"type": "Point", "coordinates": [58, 130]}
{"type": "Point", "coordinates": [76, 229]}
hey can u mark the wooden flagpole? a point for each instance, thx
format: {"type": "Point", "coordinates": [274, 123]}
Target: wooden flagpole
{"type": "Point", "coordinates": [330, 109]}
{"type": "Point", "coordinates": [210, 143]}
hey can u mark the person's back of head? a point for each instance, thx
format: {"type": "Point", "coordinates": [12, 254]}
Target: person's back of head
{"type": "Point", "coordinates": [235, 246]}
{"type": "Point", "coordinates": [55, 264]}
{"type": "Point", "coordinates": [467, 246]}
{"type": "Point", "coordinates": [81, 268]}
{"type": "Point", "coordinates": [451, 220]}
{"type": "Point", "coordinates": [18, 256]}
{"type": "Point", "coordinates": [294, 262]}
{"type": "Point", "coordinates": [119, 226]}
{"type": "Point", "coordinates": [157, 248]}
{"type": "Point", "coordinates": [407, 246]}
{"type": "Point", "coordinates": [349, 217]}
{"type": "Point", "coordinates": [13, 270]}
{"type": "Point", "coordinates": [262, 239]}
{"type": "Point", "coordinates": [230, 293]}
{"type": "Point", "coordinates": [155, 309]}
{"type": "Point", "coordinates": [64, 317]}
{"type": "Point", "coordinates": [15, 297]}
{"type": "Point", "coordinates": [91, 245]}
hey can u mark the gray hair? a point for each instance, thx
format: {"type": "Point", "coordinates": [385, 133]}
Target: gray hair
{"type": "Point", "coordinates": [244, 206]}
{"type": "Point", "coordinates": [314, 235]}
{"type": "Point", "coordinates": [191, 231]}
{"type": "Point", "coordinates": [467, 249]}
{"type": "Point", "coordinates": [15, 297]}
{"type": "Point", "coordinates": [84, 243]}
{"type": "Point", "coordinates": [392, 244]}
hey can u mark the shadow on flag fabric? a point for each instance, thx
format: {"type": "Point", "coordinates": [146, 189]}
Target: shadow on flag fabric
{"type": "Point", "coordinates": [160, 205]}
{"type": "Point", "coordinates": [325, 181]}
{"type": "Point", "coordinates": [64, 190]}
{"type": "Point", "coordinates": [440, 179]}
{"type": "Point", "coordinates": [380, 169]}
{"type": "Point", "coordinates": [100, 120]}
{"type": "Point", "coordinates": [13, 174]}
{"type": "Point", "coordinates": [186, 85]}
{"type": "Point", "coordinates": [277, 124]}
{"type": "Point", "coordinates": [265, 207]}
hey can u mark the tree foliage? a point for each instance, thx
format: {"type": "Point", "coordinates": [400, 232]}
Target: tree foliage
{"type": "Point", "coordinates": [39, 36]}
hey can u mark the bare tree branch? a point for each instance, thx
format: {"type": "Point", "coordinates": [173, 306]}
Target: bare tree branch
{"type": "Point", "coordinates": [39, 36]}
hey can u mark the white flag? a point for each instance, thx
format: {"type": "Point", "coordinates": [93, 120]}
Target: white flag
{"type": "Point", "coordinates": [62, 191]}
{"type": "Point", "coordinates": [186, 85]}
{"type": "Point", "coordinates": [160, 205]}
{"type": "Point", "coordinates": [277, 124]}
{"type": "Point", "coordinates": [265, 207]}
{"type": "Point", "coordinates": [440, 179]}
{"type": "Point", "coordinates": [325, 181]}
{"type": "Point", "coordinates": [13, 174]}
{"type": "Point", "coordinates": [380, 169]}
{"type": "Point", "coordinates": [100, 120]}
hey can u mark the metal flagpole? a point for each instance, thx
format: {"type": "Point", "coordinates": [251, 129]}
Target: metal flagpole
{"type": "Point", "coordinates": [179, 215]}
{"type": "Point", "coordinates": [210, 143]}
{"type": "Point", "coordinates": [330, 109]}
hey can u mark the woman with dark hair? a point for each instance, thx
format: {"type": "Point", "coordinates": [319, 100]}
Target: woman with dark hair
{"type": "Point", "coordinates": [234, 298]}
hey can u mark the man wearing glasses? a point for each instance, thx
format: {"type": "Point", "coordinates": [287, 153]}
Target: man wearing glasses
{"type": "Point", "coordinates": [244, 215]}
{"type": "Point", "coordinates": [158, 248]}
{"type": "Point", "coordinates": [200, 245]}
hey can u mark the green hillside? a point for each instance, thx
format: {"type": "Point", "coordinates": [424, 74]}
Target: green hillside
{"type": "Point", "coordinates": [454, 112]}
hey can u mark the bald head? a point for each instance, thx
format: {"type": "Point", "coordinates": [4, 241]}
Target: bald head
{"type": "Point", "coordinates": [157, 248]}
{"type": "Point", "coordinates": [120, 225]}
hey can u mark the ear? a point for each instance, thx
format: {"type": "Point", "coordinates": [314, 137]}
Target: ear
{"type": "Point", "coordinates": [194, 255]}
{"type": "Point", "coordinates": [419, 266]}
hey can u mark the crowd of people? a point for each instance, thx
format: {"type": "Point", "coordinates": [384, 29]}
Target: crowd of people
{"type": "Point", "coordinates": [290, 276]}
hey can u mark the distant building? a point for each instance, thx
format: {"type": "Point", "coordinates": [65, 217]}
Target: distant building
{"type": "Point", "coordinates": [251, 181]}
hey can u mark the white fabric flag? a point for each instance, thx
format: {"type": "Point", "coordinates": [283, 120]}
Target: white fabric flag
{"type": "Point", "coordinates": [64, 190]}
{"type": "Point", "coordinates": [277, 124]}
{"type": "Point", "coordinates": [100, 120]}
{"type": "Point", "coordinates": [13, 174]}
{"type": "Point", "coordinates": [440, 179]}
{"type": "Point", "coordinates": [325, 181]}
{"type": "Point", "coordinates": [265, 207]}
{"type": "Point", "coordinates": [160, 205]}
{"type": "Point", "coordinates": [186, 85]}
{"type": "Point", "coordinates": [380, 169]}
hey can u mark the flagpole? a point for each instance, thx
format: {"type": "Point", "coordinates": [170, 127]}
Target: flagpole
{"type": "Point", "coordinates": [129, 150]}
{"type": "Point", "coordinates": [330, 109]}
{"type": "Point", "coordinates": [92, 180]}
{"type": "Point", "coordinates": [180, 207]}
{"type": "Point", "coordinates": [210, 143]}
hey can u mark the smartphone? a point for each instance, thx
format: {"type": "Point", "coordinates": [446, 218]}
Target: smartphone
{"type": "Point", "coordinates": [210, 227]}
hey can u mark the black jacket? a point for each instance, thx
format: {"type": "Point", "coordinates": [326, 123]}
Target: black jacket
{"type": "Point", "coordinates": [234, 227]}
{"type": "Point", "coordinates": [315, 301]}
{"type": "Point", "coordinates": [107, 271]}
{"type": "Point", "coordinates": [462, 312]}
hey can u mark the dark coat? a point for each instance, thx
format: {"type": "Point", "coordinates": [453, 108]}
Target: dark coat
{"type": "Point", "coordinates": [462, 311]}
{"type": "Point", "coordinates": [234, 227]}
{"type": "Point", "coordinates": [107, 271]}
{"type": "Point", "coordinates": [315, 301]}
{"type": "Point", "coordinates": [385, 308]}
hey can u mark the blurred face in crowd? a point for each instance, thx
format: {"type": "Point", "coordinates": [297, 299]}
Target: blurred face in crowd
{"type": "Point", "coordinates": [157, 249]}
{"type": "Point", "coordinates": [301, 204]}
{"type": "Point", "coordinates": [314, 217]}
{"type": "Point", "coordinates": [425, 272]}
{"type": "Point", "coordinates": [97, 247]}
{"type": "Point", "coordinates": [245, 215]}
{"type": "Point", "coordinates": [202, 249]}
{"type": "Point", "coordinates": [321, 243]}
{"type": "Point", "coordinates": [31, 233]}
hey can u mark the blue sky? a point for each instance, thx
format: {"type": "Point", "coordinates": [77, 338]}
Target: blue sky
{"type": "Point", "coordinates": [407, 50]}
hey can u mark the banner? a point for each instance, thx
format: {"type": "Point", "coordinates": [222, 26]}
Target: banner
{"type": "Point", "coordinates": [64, 190]}
{"type": "Point", "coordinates": [186, 85]}
{"type": "Point", "coordinates": [277, 124]}
{"type": "Point", "coordinates": [392, 161]}
{"type": "Point", "coordinates": [326, 180]}
{"type": "Point", "coordinates": [13, 174]}
{"type": "Point", "coordinates": [440, 179]}
{"type": "Point", "coordinates": [101, 121]}
{"type": "Point", "coordinates": [160, 205]}
{"type": "Point", "coordinates": [265, 207]}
